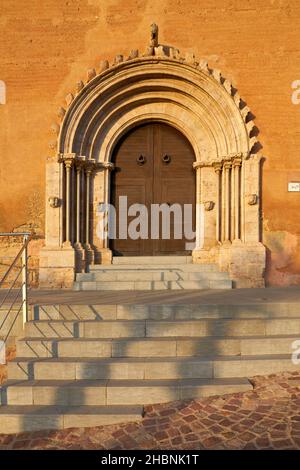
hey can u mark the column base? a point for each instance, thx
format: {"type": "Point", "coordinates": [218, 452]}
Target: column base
{"type": "Point", "coordinates": [205, 255]}
{"type": "Point", "coordinates": [79, 258]}
{"type": "Point", "coordinates": [89, 256]}
{"type": "Point", "coordinates": [57, 267]}
{"type": "Point", "coordinates": [245, 263]}
{"type": "Point", "coordinates": [103, 256]}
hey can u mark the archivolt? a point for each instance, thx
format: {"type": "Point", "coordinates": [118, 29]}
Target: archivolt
{"type": "Point", "coordinates": [188, 95]}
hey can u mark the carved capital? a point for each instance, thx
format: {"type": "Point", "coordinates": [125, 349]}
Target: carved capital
{"type": "Point", "coordinates": [217, 166]}
{"type": "Point", "coordinates": [90, 166]}
{"type": "Point", "coordinates": [80, 162]}
{"type": "Point", "coordinates": [227, 164]}
{"type": "Point", "coordinates": [209, 205]}
{"type": "Point", "coordinates": [252, 199]}
{"type": "Point", "coordinates": [54, 202]}
{"type": "Point", "coordinates": [67, 158]}
{"type": "Point", "coordinates": [237, 161]}
{"type": "Point", "coordinates": [108, 166]}
{"type": "Point", "coordinates": [201, 164]}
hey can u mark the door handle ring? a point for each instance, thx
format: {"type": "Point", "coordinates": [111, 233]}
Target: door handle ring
{"type": "Point", "coordinates": [141, 160]}
{"type": "Point", "coordinates": [166, 159]}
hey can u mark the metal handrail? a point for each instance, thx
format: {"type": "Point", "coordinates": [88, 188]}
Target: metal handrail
{"type": "Point", "coordinates": [23, 255]}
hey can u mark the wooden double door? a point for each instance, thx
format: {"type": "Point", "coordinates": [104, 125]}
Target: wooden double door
{"type": "Point", "coordinates": [154, 165]}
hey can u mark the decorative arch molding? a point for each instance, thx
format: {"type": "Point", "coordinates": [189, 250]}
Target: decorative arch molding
{"type": "Point", "coordinates": [183, 92]}
{"type": "Point", "coordinates": [216, 114]}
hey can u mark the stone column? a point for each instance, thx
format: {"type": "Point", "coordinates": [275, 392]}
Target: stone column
{"type": "Point", "coordinates": [242, 202]}
{"type": "Point", "coordinates": [103, 253]}
{"type": "Point", "coordinates": [226, 170]}
{"type": "Point", "coordinates": [199, 210]}
{"type": "Point", "coordinates": [57, 260]}
{"type": "Point", "coordinates": [205, 212]}
{"type": "Point", "coordinates": [218, 169]}
{"type": "Point", "coordinates": [68, 162]}
{"type": "Point", "coordinates": [79, 166]}
{"type": "Point", "coordinates": [79, 252]}
{"type": "Point", "coordinates": [88, 172]}
{"type": "Point", "coordinates": [236, 198]}
{"type": "Point", "coordinates": [108, 167]}
{"type": "Point", "coordinates": [88, 169]}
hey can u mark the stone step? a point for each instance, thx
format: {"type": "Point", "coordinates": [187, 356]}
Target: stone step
{"type": "Point", "coordinates": [154, 285]}
{"type": "Point", "coordinates": [162, 328]}
{"type": "Point", "coordinates": [16, 418]}
{"type": "Point", "coordinates": [150, 260]}
{"type": "Point", "coordinates": [164, 312]}
{"type": "Point", "coordinates": [181, 268]}
{"type": "Point", "coordinates": [147, 275]}
{"type": "Point", "coordinates": [154, 347]}
{"type": "Point", "coordinates": [115, 392]}
{"type": "Point", "coordinates": [148, 368]}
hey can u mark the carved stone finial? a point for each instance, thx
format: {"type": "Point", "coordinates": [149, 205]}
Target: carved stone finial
{"type": "Point", "coordinates": [133, 54]}
{"type": "Point", "coordinates": [118, 59]}
{"type": "Point", "coordinates": [104, 65]}
{"type": "Point", "coordinates": [69, 98]}
{"type": "Point", "coordinates": [153, 40]}
{"type": "Point", "coordinates": [91, 73]}
{"type": "Point", "coordinates": [154, 35]}
{"type": "Point", "coordinates": [61, 113]}
{"type": "Point", "coordinates": [79, 86]}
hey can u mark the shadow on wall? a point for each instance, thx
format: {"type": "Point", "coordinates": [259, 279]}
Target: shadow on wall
{"type": "Point", "coordinates": [283, 258]}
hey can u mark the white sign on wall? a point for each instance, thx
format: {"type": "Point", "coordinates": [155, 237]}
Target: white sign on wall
{"type": "Point", "coordinates": [293, 187]}
{"type": "Point", "coordinates": [2, 92]}
{"type": "Point", "coordinates": [2, 352]}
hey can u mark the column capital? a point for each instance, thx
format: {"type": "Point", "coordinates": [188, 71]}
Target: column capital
{"type": "Point", "coordinates": [80, 162]}
{"type": "Point", "coordinates": [67, 158]}
{"type": "Point", "coordinates": [90, 166]}
{"type": "Point", "coordinates": [217, 166]}
{"type": "Point", "coordinates": [201, 164]}
{"type": "Point", "coordinates": [227, 164]}
{"type": "Point", "coordinates": [237, 161]}
{"type": "Point", "coordinates": [110, 166]}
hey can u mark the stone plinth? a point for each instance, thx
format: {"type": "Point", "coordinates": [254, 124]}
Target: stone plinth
{"type": "Point", "coordinates": [57, 267]}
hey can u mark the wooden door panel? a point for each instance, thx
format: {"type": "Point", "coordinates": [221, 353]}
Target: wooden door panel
{"type": "Point", "coordinates": [136, 193]}
{"type": "Point", "coordinates": [174, 180]}
{"type": "Point", "coordinates": [156, 181]}
{"type": "Point", "coordinates": [133, 179]}
{"type": "Point", "coordinates": [175, 192]}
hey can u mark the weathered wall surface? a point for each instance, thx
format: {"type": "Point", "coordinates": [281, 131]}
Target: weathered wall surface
{"type": "Point", "coordinates": [47, 47]}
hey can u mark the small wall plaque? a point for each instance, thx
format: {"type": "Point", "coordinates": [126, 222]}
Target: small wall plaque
{"type": "Point", "coordinates": [293, 187]}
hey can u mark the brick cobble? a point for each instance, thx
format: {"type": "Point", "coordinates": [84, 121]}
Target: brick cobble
{"type": "Point", "coordinates": [266, 418]}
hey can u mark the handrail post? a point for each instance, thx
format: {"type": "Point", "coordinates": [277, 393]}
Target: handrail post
{"type": "Point", "coordinates": [24, 282]}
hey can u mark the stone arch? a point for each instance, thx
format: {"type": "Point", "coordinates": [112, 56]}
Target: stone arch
{"type": "Point", "coordinates": [202, 105]}
{"type": "Point", "coordinates": [211, 111]}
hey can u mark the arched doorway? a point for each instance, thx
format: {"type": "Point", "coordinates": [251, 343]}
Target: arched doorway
{"type": "Point", "coordinates": [154, 166]}
{"type": "Point", "coordinates": [183, 92]}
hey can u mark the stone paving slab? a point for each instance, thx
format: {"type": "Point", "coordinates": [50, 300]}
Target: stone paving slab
{"type": "Point", "coordinates": [268, 417]}
{"type": "Point", "coordinates": [205, 296]}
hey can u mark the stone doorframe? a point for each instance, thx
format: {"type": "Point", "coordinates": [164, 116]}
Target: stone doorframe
{"type": "Point", "coordinates": [185, 93]}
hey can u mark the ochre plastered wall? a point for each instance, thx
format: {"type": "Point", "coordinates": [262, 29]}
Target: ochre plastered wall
{"type": "Point", "coordinates": [47, 47]}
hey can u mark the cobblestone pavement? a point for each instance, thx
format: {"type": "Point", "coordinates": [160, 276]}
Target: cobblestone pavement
{"type": "Point", "coordinates": [266, 418]}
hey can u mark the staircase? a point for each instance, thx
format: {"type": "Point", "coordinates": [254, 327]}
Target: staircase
{"type": "Point", "coordinates": [89, 365]}
{"type": "Point", "coordinates": [152, 273]}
